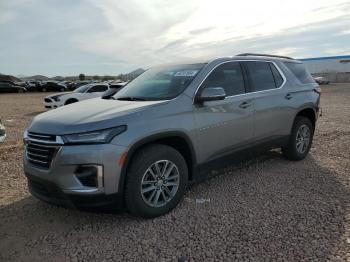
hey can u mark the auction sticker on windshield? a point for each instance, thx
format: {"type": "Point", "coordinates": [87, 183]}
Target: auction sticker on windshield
{"type": "Point", "coordinates": [186, 73]}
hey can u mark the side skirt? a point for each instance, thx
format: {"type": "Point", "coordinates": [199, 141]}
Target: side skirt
{"type": "Point", "coordinates": [235, 157]}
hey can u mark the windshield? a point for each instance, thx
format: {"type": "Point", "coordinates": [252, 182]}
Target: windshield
{"type": "Point", "coordinates": [82, 89]}
{"type": "Point", "coordinates": [160, 83]}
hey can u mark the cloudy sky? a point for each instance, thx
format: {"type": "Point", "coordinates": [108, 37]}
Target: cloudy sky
{"type": "Point", "coordinates": [66, 37]}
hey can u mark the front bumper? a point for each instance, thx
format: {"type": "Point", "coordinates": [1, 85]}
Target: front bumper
{"type": "Point", "coordinates": [59, 184]}
{"type": "Point", "coordinates": [2, 135]}
{"type": "Point", "coordinates": [50, 193]}
{"type": "Point", "coordinates": [50, 103]}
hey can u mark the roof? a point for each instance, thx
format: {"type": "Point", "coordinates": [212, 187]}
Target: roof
{"type": "Point", "coordinates": [265, 55]}
{"type": "Point", "coordinates": [325, 58]}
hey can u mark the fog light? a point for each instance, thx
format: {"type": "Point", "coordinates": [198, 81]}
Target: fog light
{"type": "Point", "coordinates": [90, 176]}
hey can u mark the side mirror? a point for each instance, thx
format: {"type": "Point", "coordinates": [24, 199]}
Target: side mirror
{"type": "Point", "coordinates": [212, 94]}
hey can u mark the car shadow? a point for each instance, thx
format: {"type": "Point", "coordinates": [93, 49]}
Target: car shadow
{"type": "Point", "coordinates": [266, 208]}
{"type": "Point", "coordinates": [32, 114]}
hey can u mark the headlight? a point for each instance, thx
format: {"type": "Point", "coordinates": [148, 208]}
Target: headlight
{"type": "Point", "coordinates": [56, 98]}
{"type": "Point", "coordinates": [94, 137]}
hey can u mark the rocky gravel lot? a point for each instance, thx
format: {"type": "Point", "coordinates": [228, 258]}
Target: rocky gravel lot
{"type": "Point", "coordinates": [264, 209]}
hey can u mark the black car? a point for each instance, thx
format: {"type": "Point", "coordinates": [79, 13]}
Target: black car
{"type": "Point", "coordinates": [52, 86]}
{"type": "Point", "coordinates": [69, 84]}
{"type": "Point", "coordinates": [10, 87]}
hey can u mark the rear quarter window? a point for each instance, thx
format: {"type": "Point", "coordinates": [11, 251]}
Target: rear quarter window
{"type": "Point", "coordinates": [300, 72]}
{"type": "Point", "coordinates": [276, 75]}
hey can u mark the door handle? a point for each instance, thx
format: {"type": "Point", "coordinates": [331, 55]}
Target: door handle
{"type": "Point", "coordinates": [245, 105]}
{"type": "Point", "coordinates": [288, 96]}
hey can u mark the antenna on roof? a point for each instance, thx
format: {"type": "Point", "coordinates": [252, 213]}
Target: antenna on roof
{"type": "Point", "coordinates": [278, 56]}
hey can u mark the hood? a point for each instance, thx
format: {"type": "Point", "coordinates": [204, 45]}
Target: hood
{"type": "Point", "coordinates": [59, 94]}
{"type": "Point", "coordinates": [88, 115]}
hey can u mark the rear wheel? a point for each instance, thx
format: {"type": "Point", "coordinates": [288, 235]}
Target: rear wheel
{"type": "Point", "coordinates": [156, 181]}
{"type": "Point", "coordinates": [300, 141]}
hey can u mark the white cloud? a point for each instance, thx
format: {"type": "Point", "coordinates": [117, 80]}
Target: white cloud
{"type": "Point", "coordinates": [66, 37]}
{"type": "Point", "coordinates": [155, 31]}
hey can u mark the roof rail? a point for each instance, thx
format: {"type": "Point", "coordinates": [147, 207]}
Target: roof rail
{"type": "Point", "coordinates": [278, 56]}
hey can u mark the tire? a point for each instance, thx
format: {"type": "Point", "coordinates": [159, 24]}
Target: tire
{"type": "Point", "coordinates": [20, 91]}
{"type": "Point", "coordinates": [70, 101]}
{"type": "Point", "coordinates": [62, 89]}
{"type": "Point", "coordinates": [143, 204]}
{"type": "Point", "coordinates": [301, 126]}
{"type": "Point", "coordinates": [43, 89]}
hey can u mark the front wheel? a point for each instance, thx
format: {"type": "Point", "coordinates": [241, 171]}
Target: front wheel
{"type": "Point", "coordinates": [156, 181]}
{"type": "Point", "coordinates": [300, 140]}
{"type": "Point", "coordinates": [70, 101]}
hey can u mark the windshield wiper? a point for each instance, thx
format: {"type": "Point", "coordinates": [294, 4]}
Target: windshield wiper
{"type": "Point", "coordinates": [131, 98]}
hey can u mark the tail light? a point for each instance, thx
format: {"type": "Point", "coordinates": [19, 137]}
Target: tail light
{"type": "Point", "coordinates": [318, 90]}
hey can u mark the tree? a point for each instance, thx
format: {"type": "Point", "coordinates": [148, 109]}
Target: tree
{"type": "Point", "coordinates": [81, 77]}
{"type": "Point", "coordinates": [107, 77]}
{"type": "Point", "coordinates": [96, 77]}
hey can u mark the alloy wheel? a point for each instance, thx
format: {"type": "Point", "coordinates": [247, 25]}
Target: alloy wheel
{"type": "Point", "coordinates": [160, 183]}
{"type": "Point", "coordinates": [303, 138]}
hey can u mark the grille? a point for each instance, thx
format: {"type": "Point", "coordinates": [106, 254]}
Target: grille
{"type": "Point", "coordinates": [47, 100]}
{"type": "Point", "coordinates": [41, 149]}
{"type": "Point", "coordinates": [40, 155]}
{"type": "Point", "coordinates": [89, 181]}
{"type": "Point", "coordinates": [43, 137]}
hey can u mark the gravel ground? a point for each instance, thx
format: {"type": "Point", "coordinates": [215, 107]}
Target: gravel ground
{"type": "Point", "coordinates": [265, 209]}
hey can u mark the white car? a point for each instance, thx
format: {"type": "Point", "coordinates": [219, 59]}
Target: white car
{"type": "Point", "coordinates": [2, 132]}
{"type": "Point", "coordinates": [82, 93]}
{"type": "Point", "coordinates": [321, 80]}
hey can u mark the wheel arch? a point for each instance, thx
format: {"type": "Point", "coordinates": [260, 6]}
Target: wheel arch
{"type": "Point", "coordinates": [176, 139]}
{"type": "Point", "coordinates": [309, 112]}
{"type": "Point", "coordinates": [71, 99]}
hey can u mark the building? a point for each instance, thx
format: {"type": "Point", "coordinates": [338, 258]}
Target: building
{"type": "Point", "coordinates": [329, 64]}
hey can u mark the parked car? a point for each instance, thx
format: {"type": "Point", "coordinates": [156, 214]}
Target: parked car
{"type": "Point", "coordinates": [113, 89]}
{"type": "Point", "coordinates": [2, 132]}
{"type": "Point", "coordinates": [321, 80]}
{"type": "Point", "coordinates": [52, 86]}
{"type": "Point", "coordinates": [163, 130]}
{"type": "Point", "coordinates": [75, 85]}
{"type": "Point", "coordinates": [10, 87]}
{"type": "Point", "coordinates": [69, 84]}
{"type": "Point", "coordinates": [33, 85]}
{"type": "Point", "coordinates": [82, 93]}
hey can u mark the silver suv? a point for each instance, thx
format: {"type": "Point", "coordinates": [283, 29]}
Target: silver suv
{"type": "Point", "coordinates": [142, 147]}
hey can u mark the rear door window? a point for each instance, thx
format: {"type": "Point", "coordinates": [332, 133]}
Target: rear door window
{"type": "Point", "coordinates": [260, 75]}
{"type": "Point", "coordinates": [300, 72]}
